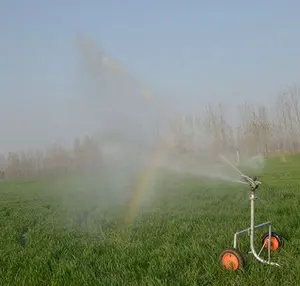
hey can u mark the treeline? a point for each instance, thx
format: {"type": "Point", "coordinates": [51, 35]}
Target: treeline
{"type": "Point", "coordinates": [268, 130]}
{"type": "Point", "coordinates": [53, 161]}
{"type": "Point", "coordinates": [257, 129]}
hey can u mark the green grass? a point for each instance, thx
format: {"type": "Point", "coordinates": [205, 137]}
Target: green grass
{"type": "Point", "coordinates": [75, 234]}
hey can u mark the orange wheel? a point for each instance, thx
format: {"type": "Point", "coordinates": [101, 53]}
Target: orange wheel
{"type": "Point", "coordinates": [276, 241]}
{"type": "Point", "coordinates": [231, 258]}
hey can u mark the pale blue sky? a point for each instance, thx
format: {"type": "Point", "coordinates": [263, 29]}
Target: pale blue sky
{"type": "Point", "coordinates": [195, 51]}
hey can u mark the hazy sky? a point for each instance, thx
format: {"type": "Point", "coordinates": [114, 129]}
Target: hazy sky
{"type": "Point", "coordinates": [195, 51]}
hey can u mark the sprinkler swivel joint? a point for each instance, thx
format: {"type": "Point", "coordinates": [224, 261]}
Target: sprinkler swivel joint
{"type": "Point", "coordinates": [254, 183]}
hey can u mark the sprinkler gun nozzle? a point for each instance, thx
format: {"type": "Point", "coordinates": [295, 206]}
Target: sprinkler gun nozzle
{"type": "Point", "coordinates": [254, 183]}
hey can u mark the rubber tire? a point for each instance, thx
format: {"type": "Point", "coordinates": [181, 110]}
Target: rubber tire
{"type": "Point", "coordinates": [273, 234]}
{"type": "Point", "coordinates": [237, 254]}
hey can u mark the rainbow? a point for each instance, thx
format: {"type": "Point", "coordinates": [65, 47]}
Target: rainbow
{"type": "Point", "coordinates": [144, 178]}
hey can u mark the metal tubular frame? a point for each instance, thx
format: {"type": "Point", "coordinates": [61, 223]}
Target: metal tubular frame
{"type": "Point", "coordinates": [251, 230]}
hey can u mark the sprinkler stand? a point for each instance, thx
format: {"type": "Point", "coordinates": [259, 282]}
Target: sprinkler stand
{"type": "Point", "coordinates": [231, 257]}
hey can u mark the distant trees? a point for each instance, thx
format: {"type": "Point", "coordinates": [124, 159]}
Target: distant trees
{"type": "Point", "coordinates": [259, 129]}
{"type": "Point", "coordinates": [272, 129]}
{"type": "Point", "coordinates": [52, 161]}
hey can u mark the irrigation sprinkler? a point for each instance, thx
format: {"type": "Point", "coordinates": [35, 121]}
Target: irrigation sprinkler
{"type": "Point", "coordinates": [232, 258]}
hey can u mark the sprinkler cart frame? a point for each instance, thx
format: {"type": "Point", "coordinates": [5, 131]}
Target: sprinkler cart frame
{"type": "Point", "coordinates": [231, 258]}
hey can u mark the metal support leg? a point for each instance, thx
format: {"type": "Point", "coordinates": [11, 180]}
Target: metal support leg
{"type": "Point", "coordinates": [251, 232]}
{"type": "Point", "coordinates": [269, 245]}
{"type": "Point", "coordinates": [252, 229]}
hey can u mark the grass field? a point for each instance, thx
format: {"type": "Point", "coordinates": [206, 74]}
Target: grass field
{"type": "Point", "coordinates": [64, 232]}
